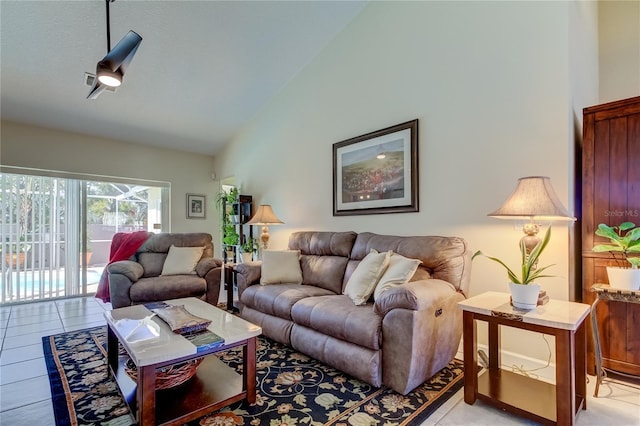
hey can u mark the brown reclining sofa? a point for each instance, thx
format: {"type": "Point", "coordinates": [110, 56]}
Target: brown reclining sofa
{"type": "Point", "coordinates": [399, 340]}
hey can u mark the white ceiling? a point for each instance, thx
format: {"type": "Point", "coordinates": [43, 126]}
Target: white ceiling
{"type": "Point", "coordinates": [202, 71]}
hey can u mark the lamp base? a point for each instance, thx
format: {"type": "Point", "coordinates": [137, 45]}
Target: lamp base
{"type": "Point", "coordinates": [543, 298]}
{"type": "Point", "coordinates": [265, 237]}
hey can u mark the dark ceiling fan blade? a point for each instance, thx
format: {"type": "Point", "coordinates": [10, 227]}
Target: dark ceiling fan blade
{"type": "Point", "coordinates": [121, 55]}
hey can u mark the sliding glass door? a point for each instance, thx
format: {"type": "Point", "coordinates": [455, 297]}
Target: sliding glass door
{"type": "Point", "coordinates": [56, 232]}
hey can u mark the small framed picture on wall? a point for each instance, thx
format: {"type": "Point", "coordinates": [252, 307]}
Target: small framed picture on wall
{"type": "Point", "coordinates": [196, 206]}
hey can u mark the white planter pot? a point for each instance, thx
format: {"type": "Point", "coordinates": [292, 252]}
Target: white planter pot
{"type": "Point", "coordinates": [624, 278]}
{"type": "Point", "coordinates": [524, 296]}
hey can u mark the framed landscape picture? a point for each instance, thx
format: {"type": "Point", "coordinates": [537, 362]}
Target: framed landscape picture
{"type": "Point", "coordinates": [377, 172]}
{"type": "Point", "coordinates": [196, 206]}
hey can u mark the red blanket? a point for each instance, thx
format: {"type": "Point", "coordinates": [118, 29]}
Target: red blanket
{"type": "Point", "coordinates": [123, 246]}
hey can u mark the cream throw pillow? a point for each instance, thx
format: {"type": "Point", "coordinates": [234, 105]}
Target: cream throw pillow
{"type": "Point", "coordinates": [400, 271]}
{"type": "Point", "coordinates": [281, 267]}
{"type": "Point", "coordinates": [363, 280]}
{"type": "Point", "coordinates": [182, 260]}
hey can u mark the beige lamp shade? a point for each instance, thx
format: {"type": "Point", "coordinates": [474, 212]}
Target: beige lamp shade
{"type": "Point", "coordinates": [265, 216]}
{"type": "Point", "coordinates": [533, 198]}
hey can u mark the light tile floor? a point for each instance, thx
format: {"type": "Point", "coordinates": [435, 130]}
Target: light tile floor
{"type": "Point", "coordinates": [25, 396]}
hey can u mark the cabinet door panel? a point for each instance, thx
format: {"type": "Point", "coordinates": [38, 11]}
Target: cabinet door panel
{"type": "Point", "coordinates": [610, 178]}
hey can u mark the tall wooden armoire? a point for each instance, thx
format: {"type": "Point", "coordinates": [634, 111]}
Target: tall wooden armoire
{"type": "Point", "coordinates": [611, 195]}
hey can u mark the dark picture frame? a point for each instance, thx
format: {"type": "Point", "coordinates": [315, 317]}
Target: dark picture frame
{"type": "Point", "coordinates": [377, 172]}
{"type": "Point", "coordinates": [196, 206]}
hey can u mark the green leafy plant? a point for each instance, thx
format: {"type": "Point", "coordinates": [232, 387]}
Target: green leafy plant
{"type": "Point", "coordinates": [250, 245]}
{"type": "Point", "coordinates": [624, 239]}
{"type": "Point", "coordinates": [530, 272]}
{"type": "Point", "coordinates": [224, 197]}
{"type": "Point", "coordinates": [231, 237]}
{"type": "Point", "coordinates": [233, 195]}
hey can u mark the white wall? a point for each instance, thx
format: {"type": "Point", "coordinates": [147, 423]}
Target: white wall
{"type": "Point", "coordinates": [619, 36]}
{"type": "Point", "coordinates": [41, 148]}
{"type": "Point", "coordinates": [490, 84]}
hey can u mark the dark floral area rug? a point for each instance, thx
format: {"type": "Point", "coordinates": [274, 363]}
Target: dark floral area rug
{"type": "Point", "coordinates": [293, 389]}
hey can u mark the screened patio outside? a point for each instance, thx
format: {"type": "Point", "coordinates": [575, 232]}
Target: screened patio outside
{"type": "Point", "coordinates": [56, 232]}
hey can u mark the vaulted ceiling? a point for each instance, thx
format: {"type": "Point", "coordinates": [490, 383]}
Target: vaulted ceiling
{"type": "Point", "coordinates": [202, 71]}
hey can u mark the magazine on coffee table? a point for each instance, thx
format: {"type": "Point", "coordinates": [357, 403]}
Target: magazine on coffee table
{"type": "Point", "coordinates": [204, 340]}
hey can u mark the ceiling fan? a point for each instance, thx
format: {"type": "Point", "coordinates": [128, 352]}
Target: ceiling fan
{"type": "Point", "coordinates": [111, 68]}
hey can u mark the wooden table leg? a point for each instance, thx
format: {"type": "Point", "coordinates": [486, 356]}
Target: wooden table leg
{"type": "Point", "coordinates": [146, 396]}
{"type": "Point", "coordinates": [565, 377]}
{"type": "Point", "coordinates": [249, 367]}
{"type": "Point", "coordinates": [581, 363]}
{"type": "Point", "coordinates": [470, 349]}
{"type": "Point", "coordinates": [494, 345]}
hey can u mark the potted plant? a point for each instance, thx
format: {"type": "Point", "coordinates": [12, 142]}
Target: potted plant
{"type": "Point", "coordinates": [623, 239]}
{"type": "Point", "coordinates": [250, 246]}
{"type": "Point", "coordinates": [524, 292]}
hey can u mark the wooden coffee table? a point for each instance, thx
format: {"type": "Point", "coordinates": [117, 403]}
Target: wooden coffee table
{"type": "Point", "coordinates": [215, 385]}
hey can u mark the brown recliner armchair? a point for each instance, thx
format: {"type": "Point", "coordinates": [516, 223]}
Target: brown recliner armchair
{"type": "Point", "coordinates": [139, 280]}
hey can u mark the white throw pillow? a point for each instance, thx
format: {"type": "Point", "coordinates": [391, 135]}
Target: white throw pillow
{"type": "Point", "coordinates": [182, 260]}
{"type": "Point", "coordinates": [399, 271]}
{"type": "Point", "coordinates": [281, 267]}
{"type": "Point", "coordinates": [363, 280]}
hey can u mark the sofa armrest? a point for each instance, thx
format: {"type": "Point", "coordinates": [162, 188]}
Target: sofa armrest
{"type": "Point", "coordinates": [421, 331]}
{"type": "Point", "coordinates": [207, 264]}
{"type": "Point", "coordinates": [122, 275]}
{"type": "Point", "coordinates": [214, 281]}
{"type": "Point", "coordinates": [132, 270]}
{"type": "Point", "coordinates": [248, 273]}
{"type": "Point", "coordinates": [415, 296]}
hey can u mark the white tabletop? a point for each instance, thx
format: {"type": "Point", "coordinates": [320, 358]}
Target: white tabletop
{"type": "Point", "coordinates": [556, 313]}
{"type": "Point", "coordinates": [170, 345]}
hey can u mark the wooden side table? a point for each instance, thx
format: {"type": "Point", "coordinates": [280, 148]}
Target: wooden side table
{"type": "Point", "coordinates": [524, 396]}
{"type": "Point", "coordinates": [606, 292]}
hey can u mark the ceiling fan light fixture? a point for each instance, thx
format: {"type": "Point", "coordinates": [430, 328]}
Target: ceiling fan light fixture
{"type": "Point", "coordinates": [111, 69]}
{"type": "Point", "coordinates": [108, 77]}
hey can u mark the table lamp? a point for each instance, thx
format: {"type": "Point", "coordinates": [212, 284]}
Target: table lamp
{"type": "Point", "coordinates": [533, 199]}
{"type": "Point", "coordinates": [265, 216]}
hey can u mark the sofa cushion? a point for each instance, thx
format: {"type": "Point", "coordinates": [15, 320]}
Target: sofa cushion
{"type": "Point", "coordinates": [152, 263]}
{"type": "Point", "coordinates": [324, 257]}
{"type": "Point", "coordinates": [445, 258]}
{"type": "Point", "coordinates": [364, 279]}
{"type": "Point", "coordinates": [167, 287]}
{"type": "Point", "coordinates": [338, 317]}
{"type": "Point", "coordinates": [399, 271]}
{"type": "Point", "coordinates": [323, 243]}
{"type": "Point", "coordinates": [160, 243]}
{"type": "Point", "coordinates": [278, 299]}
{"type": "Point", "coordinates": [281, 267]}
{"type": "Point", "coordinates": [181, 260]}
{"type": "Point", "coordinates": [152, 253]}
{"type": "Point", "coordinates": [323, 271]}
